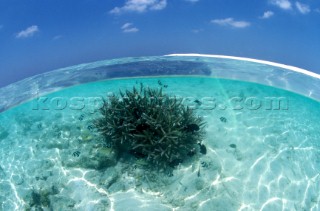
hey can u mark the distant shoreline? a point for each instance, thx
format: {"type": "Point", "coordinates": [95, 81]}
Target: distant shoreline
{"type": "Point", "coordinates": [295, 69]}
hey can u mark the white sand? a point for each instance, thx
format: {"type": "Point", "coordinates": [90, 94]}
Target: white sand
{"type": "Point", "coordinates": [274, 165]}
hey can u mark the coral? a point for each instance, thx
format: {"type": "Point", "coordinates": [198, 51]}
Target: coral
{"type": "Point", "coordinates": [39, 199]}
{"type": "Point", "coordinates": [151, 125]}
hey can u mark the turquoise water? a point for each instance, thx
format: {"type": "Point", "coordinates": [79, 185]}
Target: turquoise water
{"type": "Point", "coordinates": [263, 152]}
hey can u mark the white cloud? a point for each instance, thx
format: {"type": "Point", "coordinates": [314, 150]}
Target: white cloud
{"type": "Point", "coordinates": [267, 14]}
{"type": "Point", "coordinates": [231, 22]}
{"type": "Point", "coordinates": [28, 32]}
{"type": "Point", "coordinates": [129, 28]}
{"type": "Point", "coordinates": [283, 4]}
{"type": "Point", "coordinates": [57, 37]}
{"type": "Point", "coordinates": [197, 31]}
{"type": "Point", "coordinates": [140, 6]}
{"type": "Point", "coordinates": [303, 8]}
{"type": "Point", "coordinates": [192, 1]}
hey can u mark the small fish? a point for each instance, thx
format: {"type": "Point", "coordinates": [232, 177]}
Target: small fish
{"type": "Point", "coordinates": [233, 146]}
{"type": "Point", "coordinates": [159, 82]}
{"type": "Point", "coordinates": [223, 119]}
{"type": "Point", "coordinates": [203, 149]}
{"type": "Point", "coordinates": [192, 128]}
{"type": "Point", "coordinates": [165, 86]}
{"type": "Point", "coordinates": [90, 127]}
{"type": "Point", "coordinates": [81, 117]}
{"type": "Point", "coordinates": [198, 173]}
{"type": "Point", "coordinates": [204, 164]}
{"type": "Point", "coordinates": [76, 154]}
{"type": "Point", "coordinates": [198, 102]}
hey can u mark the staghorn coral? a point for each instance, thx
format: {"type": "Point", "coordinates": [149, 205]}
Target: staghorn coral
{"type": "Point", "coordinates": [151, 125]}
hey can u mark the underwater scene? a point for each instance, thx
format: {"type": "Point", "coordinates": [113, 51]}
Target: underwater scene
{"type": "Point", "coordinates": [191, 140]}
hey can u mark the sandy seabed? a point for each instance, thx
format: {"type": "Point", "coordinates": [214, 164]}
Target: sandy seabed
{"type": "Point", "coordinates": [257, 159]}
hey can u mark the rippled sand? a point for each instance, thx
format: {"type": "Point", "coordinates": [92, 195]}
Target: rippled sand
{"type": "Point", "coordinates": [260, 156]}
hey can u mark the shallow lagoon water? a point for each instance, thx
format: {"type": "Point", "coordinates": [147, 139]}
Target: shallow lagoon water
{"type": "Point", "coordinates": [263, 152]}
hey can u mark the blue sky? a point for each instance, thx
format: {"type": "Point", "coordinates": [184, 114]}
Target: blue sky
{"type": "Point", "coordinates": [38, 36]}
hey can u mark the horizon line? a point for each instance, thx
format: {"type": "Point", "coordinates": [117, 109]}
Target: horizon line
{"type": "Point", "coordinates": [289, 67]}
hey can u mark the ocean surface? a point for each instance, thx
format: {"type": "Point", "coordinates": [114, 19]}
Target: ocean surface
{"type": "Point", "coordinates": [263, 151]}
